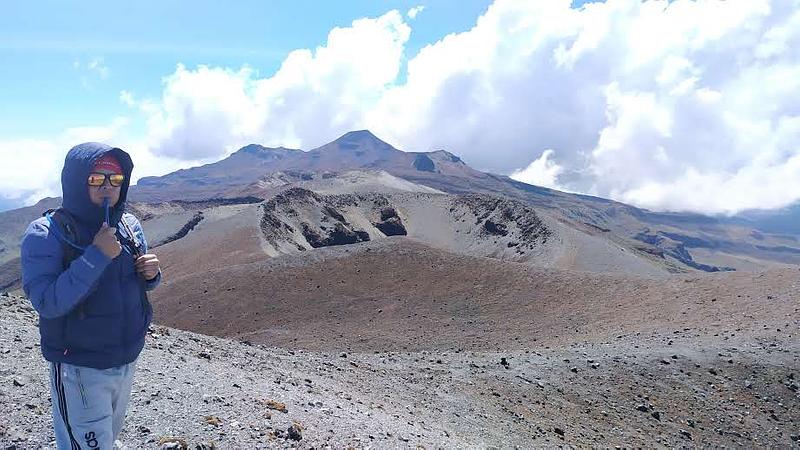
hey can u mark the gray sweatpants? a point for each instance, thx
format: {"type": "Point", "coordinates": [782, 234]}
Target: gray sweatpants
{"type": "Point", "coordinates": [89, 404]}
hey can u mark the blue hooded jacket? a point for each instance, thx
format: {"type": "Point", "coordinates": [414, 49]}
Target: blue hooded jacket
{"type": "Point", "coordinates": [94, 313]}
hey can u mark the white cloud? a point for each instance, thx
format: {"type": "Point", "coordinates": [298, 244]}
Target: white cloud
{"type": "Point", "coordinates": [97, 66]}
{"type": "Point", "coordinates": [209, 111]}
{"type": "Point", "coordinates": [667, 105]}
{"type": "Point", "coordinates": [127, 99]}
{"type": "Point", "coordinates": [682, 105]}
{"type": "Point", "coordinates": [91, 71]}
{"type": "Point", "coordinates": [541, 172]}
{"type": "Point", "coordinates": [413, 12]}
{"type": "Point", "coordinates": [44, 159]}
{"type": "Point", "coordinates": [31, 168]}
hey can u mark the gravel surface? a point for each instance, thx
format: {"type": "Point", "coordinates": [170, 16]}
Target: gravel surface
{"type": "Point", "coordinates": [653, 390]}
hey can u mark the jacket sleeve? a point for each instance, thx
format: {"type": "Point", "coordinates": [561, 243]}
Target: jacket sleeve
{"type": "Point", "coordinates": [53, 291]}
{"type": "Point", "coordinates": [139, 232]}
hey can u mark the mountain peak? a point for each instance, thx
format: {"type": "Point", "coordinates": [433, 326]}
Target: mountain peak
{"type": "Point", "coordinates": [359, 135]}
{"type": "Point", "coordinates": [360, 139]}
{"type": "Point", "coordinates": [253, 149]}
{"type": "Point", "coordinates": [262, 152]}
{"type": "Point", "coordinates": [447, 156]}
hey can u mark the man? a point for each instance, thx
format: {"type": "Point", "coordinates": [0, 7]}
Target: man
{"type": "Point", "coordinates": [93, 308]}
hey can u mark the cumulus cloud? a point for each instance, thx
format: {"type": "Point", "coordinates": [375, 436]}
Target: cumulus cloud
{"type": "Point", "coordinates": [31, 168]}
{"type": "Point", "coordinates": [677, 105]}
{"type": "Point", "coordinates": [641, 102]}
{"type": "Point", "coordinates": [541, 172]}
{"type": "Point", "coordinates": [667, 105]}
{"type": "Point", "coordinates": [315, 94]}
{"type": "Point", "coordinates": [413, 12]}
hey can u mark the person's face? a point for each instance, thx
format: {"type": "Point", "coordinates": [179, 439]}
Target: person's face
{"type": "Point", "coordinates": [98, 193]}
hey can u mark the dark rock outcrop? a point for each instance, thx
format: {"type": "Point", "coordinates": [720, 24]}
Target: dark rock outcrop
{"type": "Point", "coordinates": [424, 164]}
{"type": "Point", "coordinates": [502, 217]}
{"type": "Point", "coordinates": [189, 226]}
{"type": "Point", "coordinates": [675, 245]}
{"type": "Point", "coordinates": [495, 228]}
{"type": "Point", "coordinates": [340, 235]}
{"type": "Point", "coordinates": [390, 224]}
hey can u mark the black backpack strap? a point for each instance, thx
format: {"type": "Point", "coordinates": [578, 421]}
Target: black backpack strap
{"type": "Point", "coordinates": [69, 232]}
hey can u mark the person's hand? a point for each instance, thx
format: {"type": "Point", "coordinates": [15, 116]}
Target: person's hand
{"type": "Point", "coordinates": [107, 242]}
{"type": "Point", "coordinates": [147, 266]}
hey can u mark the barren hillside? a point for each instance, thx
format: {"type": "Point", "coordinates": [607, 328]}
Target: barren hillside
{"type": "Point", "coordinates": [724, 375]}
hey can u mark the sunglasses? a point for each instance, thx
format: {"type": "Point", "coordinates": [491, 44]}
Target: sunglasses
{"type": "Point", "coordinates": [98, 179]}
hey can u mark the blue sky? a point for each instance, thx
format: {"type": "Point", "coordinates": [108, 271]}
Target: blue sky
{"type": "Point", "coordinates": [140, 42]}
{"type": "Point", "coordinates": [626, 99]}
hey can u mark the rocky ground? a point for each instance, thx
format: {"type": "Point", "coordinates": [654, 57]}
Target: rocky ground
{"type": "Point", "coordinates": [661, 389]}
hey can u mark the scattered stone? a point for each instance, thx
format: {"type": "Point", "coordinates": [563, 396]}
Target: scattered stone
{"type": "Point", "coordinates": [525, 379]}
{"type": "Point", "coordinates": [18, 383]}
{"type": "Point", "coordinates": [504, 362]}
{"type": "Point", "coordinates": [686, 434]}
{"type": "Point", "coordinates": [277, 406]}
{"type": "Point", "coordinates": [294, 432]}
{"type": "Point", "coordinates": [172, 443]}
{"type": "Point", "coordinates": [573, 369]}
{"type": "Point", "coordinates": [656, 415]}
{"type": "Point", "coordinates": [558, 431]}
{"type": "Point", "coordinates": [642, 408]}
{"type": "Point", "coordinates": [213, 420]}
{"type": "Point", "coordinates": [204, 355]}
{"type": "Point", "coordinates": [712, 371]}
{"type": "Point", "coordinates": [206, 446]}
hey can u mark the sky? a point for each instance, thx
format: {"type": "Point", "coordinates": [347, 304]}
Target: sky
{"type": "Point", "coordinates": [668, 105]}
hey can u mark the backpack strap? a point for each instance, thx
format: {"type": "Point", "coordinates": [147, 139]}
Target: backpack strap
{"type": "Point", "coordinates": [137, 243]}
{"type": "Point", "coordinates": [132, 239]}
{"type": "Point", "coordinates": [66, 232]}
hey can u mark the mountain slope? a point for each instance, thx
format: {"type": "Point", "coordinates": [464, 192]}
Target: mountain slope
{"type": "Point", "coordinates": [359, 162]}
{"type": "Point", "coordinates": [632, 390]}
{"type": "Point", "coordinates": [722, 243]}
{"type": "Point", "coordinates": [396, 293]}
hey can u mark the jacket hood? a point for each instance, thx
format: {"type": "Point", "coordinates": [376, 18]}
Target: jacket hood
{"type": "Point", "coordinates": [75, 193]}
